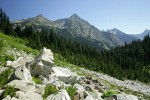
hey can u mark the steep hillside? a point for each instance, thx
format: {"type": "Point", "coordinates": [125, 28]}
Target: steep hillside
{"type": "Point", "coordinates": [40, 78]}
{"type": "Point", "coordinates": [11, 48]}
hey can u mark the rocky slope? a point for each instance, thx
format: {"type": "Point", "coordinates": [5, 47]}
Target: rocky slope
{"type": "Point", "coordinates": [38, 78]}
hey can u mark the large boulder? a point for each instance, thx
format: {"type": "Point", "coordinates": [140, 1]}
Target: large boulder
{"type": "Point", "coordinates": [65, 75]}
{"type": "Point", "coordinates": [61, 95]}
{"type": "Point", "coordinates": [23, 85]}
{"type": "Point", "coordinates": [126, 97]}
{"type": "Point", "coordinates": [42, 64]}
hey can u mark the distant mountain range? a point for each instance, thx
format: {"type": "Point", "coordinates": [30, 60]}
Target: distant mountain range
{"type": "Point", "coordinates": [141, 35]}
{"type": "Point", "coordinates": [79, 30]}
{"type": "Point", "coordinates": [122, 36]}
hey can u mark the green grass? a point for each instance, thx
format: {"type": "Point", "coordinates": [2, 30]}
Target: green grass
{"type": "Point", "coordinates": [8, 43]}
{"type": "Point", "coordinates": [49, 89]}
{"type": "Point", "coordinates": [5, 76]}
{"type": "Point", "coordinates": [108, 93]}
{"type": "Point", "coordinates": [9, 90]}
{"type": "Point", "coordinates": [71, 90]}
{"type": "Point", "coordinates": [17, 43]}
{"type": "Point", "coordinates": [37, 80]}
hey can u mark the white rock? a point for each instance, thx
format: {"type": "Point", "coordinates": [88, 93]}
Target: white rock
{"type": "Point", "coordinates": [97, 95]}
{"type": "Point", "coordinates": [65, 75]}
{"type": "Point", "coordinates": [89, 98]}
{"type": "Point", "coordinates": [126, 97]}
{"type": "Point", "coordinates": [23, 85]}
{"type": "Point", "coordinates": [79, 87]}
{"type": "Point", "coordinates": [7, 98]}
{"type": "Point", "coordinates": [22, 73]}
{"type": "Point", "coordinates": [31, 96]}
{"type": "Point", "coordinates": [19, 94]}
{"type": "Point", "coordinates": [39, 88]}
{"type": "Point", "coordinates": [8, 63]}
{"type": "Point", "coordinates": [42, 64]}
{"type": "Point", "coordinates": [21, 61]}
{"type": "Point", "coordinates": [1, 91]}
{"type": "Point", "coordinates": [47, 57]}
{"type": "Point", "coordinates": [61, 95]}
{"type": "Point", "coordinates": [13, 98]}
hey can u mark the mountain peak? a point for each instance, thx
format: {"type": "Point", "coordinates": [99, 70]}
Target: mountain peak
{"type": "Point", "coordinates": [39, 16]}
{"type": "Point", "coordinates": [74, 16]}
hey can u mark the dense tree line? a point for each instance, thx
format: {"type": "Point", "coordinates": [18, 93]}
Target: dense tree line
{"type": "Point", "coordinates": [5, 24]}
{"type": "Point", "coordinates": [131, 61]}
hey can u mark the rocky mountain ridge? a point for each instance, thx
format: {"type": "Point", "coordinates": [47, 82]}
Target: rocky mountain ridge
{"type": "Point", "coordinates": [76, 28]}
{"type": "Point", "coordinates": [141, 35]}
{"type": "Point", "coordinates": [122, 36]}
{"type": "Point", "coordinates": [88, 87]}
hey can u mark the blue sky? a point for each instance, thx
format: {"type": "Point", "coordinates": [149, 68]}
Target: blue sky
{"type": "Point", "coordinates": [130, 16]}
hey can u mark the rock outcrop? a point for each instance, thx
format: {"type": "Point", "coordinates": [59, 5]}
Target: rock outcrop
{"type": "Point", "coordinates": [42, 64]}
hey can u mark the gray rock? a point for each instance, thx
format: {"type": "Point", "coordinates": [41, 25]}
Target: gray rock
{"type": "Point", "coordinates": [61, 95]}
{"type": "Point", "coordinates": [80, 91]}
{"type": "Point", "coordinates": [79, 87]}
{"type": "Point", "coordinates": [100, 89]}
{"type": "Point", "coordinates": [31, 96]}
{"type": "Point", "coordinates": [65, 75]}
{"type": "Point", "coordinates": [39, 88]}
{"type": "Point", "coordinates": [13, 98]}
{"type": "Point", "coordinates": [126, 97]}
{"type": "Point", "coordinates": [19, 94]}
{"type": "Point", "coordinates": [23, 85]}
{"type": "Point", "coordinates": [21, 61]}
{"type": "Point", "coordinates": [22, 73]}
{"type": "Point", "coordinates": [7, 98]}
{"type": "Point", "coordinates": [89, 98]}
{"type": "Point", "coordinates": [42, 64]}
{"type": "Point", "coordinates": [97, 95]}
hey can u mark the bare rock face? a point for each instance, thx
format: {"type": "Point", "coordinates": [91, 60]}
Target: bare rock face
{"type": "Point", "coordinates": [42, 64]}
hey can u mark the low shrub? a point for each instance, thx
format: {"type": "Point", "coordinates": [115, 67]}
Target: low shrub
{"type": "Point", "coordinates": [49, 89]}
{"type": "Point", "coordinates": [5, 76]}
{"type": "Point", "coordinates": [109, 93]}
{"type": "Point", "coordinates": [37, 80]}
{"type": "Point", "coordinates": [71, 90]}
{"type": "Point", "coordinates": [9, 57]}
{"type": "Point", "coordinates": [9, 90]}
